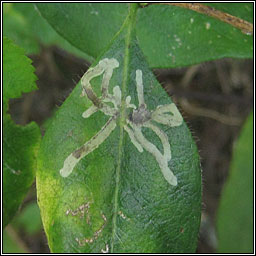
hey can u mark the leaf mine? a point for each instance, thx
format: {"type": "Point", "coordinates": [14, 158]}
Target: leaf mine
{"type": "Point", "coordinates": [140, 117]}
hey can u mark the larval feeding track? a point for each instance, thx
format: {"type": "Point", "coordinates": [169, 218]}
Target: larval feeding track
{"type": "Point", "coordinates": [140, 117]}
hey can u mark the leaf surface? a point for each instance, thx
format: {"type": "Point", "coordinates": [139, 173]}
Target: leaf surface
{"type": "Point", "coordinates": [172, 36]}
{"type": "Point", "coordinates": [90, 27]}
{"type": "Point", "coordinates": [20, 143]}
{"type": "Point", "coordinates": [235, 213]}
{"type": "Point", "coordinates": [116, 198]}
{"type": "Point", "coordinates": [21, 22]}
{"type": "Point", "coordinates": [169, 36]}
{"type": "Point", "coordinates": [19, 74]}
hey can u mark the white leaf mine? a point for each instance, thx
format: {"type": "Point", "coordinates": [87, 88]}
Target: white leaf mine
{"type": "Point", "coordinates": [140, 117]}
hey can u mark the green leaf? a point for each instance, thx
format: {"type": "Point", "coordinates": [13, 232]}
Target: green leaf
{"type": "Point", "coordinates": [15, 27]}
{"type": "Point", "coordinates": [235, 214]}
{"type": "Point", "coordinates": [20, 144]}
{"type": "Point", "coordinates": [18, 72]}
{"type": "Point", "coordinates": [89, 27]}
{"type": "Point", "coordinates": [21, 22]}
{"type": "Point", "coordinates": [171, 36]}
{"type": "Point", "coordinates": [116, 198]}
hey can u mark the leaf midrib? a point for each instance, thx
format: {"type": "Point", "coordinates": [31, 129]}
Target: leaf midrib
{"type": "Point", "coordinates": [129, 22]}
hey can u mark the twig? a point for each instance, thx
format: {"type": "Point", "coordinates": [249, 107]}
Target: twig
{"type": "Point", "coordinates": [190, 73]}
{"type": "Point", "coordinates": [209, 113]}
{"type": "Point", "coordinates": [222, 98]}
{"type": "Point", "coordinates": [245, 26]}
{"type": "Point", "coordinates": [188, 76]}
